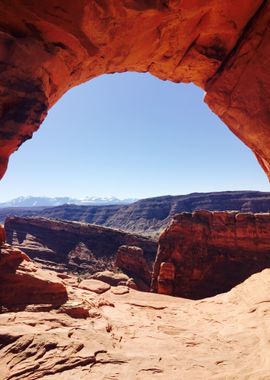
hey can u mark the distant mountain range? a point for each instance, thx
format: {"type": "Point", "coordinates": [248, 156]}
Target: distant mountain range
{"type": "Point", "coordinates": [58, 201]}
{"type": "Point", "coordinates": [151, 215]}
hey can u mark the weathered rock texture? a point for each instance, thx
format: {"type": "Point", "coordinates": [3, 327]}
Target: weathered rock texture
{"type": "Point", "coordinates": [131, 260]}
{"type": "Point", "coordinates": [23, 283]}
{"type": "Point", "coordinates": [48, 47]}
{"type": "Point", "coordinates": [133, 335]}
{"type": "Point", "coordinates": [206, 253]}
{"type": "Point", "coordinates": [65, 245]}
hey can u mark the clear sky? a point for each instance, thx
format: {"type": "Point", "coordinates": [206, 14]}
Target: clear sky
{"type": "Point", "coordinates": [131, 135]}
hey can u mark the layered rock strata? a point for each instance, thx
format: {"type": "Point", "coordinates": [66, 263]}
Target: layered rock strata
{"type": "Point", "coordinates": [23, 283]}
{"type": "Point", "coordinates": [48, 47]}
{"type": "Point", "coordinates": [150, 215]}
{"type": "Point", "coordinates": [204, 253]}
{"type": "Point", "coordinates": [64, 245]}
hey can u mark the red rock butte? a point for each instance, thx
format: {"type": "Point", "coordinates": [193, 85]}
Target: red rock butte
{"type": "Point", "coordinates": [48, 47]}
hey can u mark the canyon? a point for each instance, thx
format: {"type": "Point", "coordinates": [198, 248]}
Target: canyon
{"type": "Point", "coordinates": [73, 247]}
{"type": "Point", "coordinates": [198, 255]}
{"type": "Point", "coordinates": [151, 215]}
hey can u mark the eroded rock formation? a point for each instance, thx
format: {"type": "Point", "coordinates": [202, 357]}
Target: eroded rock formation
{"type": "Point", "coordinates": [23, 283]}
{"type": "Point", "coordinates": [128, 334]}
{"type": "Point", "coordinates": [131, 260]}
{"type": "Point", "coordinates": [204, 253]}
{"type": "Point", "coordinates": [65, 245]}
{"type": "Point", "coordinates": [48, 47]}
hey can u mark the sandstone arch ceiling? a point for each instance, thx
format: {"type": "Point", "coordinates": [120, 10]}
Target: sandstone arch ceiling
{"type": "Point", "coordinates": [47, 47]}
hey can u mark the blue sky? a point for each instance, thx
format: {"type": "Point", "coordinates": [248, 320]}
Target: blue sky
{"type": "Point", "coordinates": [131, 135]}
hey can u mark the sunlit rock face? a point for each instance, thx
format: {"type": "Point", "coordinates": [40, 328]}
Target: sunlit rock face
{"type": "Point", "coordinates": [47, 47]}
{"type": "Point", "coordinates": [23, 283]}
{"type": "Point", "coordinates": [204, 253]}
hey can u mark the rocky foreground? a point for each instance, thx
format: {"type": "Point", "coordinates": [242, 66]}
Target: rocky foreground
{"type": "Point", "coordinates": [55, 325]}
{"type": "Point", "coordinates": [113, 332]}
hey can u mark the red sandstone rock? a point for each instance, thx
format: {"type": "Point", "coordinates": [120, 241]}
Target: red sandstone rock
{"type": "Point", "coordinates": [23, 283]}
{"type": "Point", "coordinates": [111, 278]}
{"type": "Point", "coordinates": [166, 278]}
{"type": "Point", "coordinates": [211, 252]}
{"type": "Point", "coordinates": [239, 93]}
{"type": "Point", "coordinates": [132, 261]}
{"type": "Point", "coordinates": [95, 286]}
{"type": "Point", "coordinates": [2, 235]}
{"type": "Point", "coordinates": [144, 336]}
{"type": "Point", "coordinates": [48, 47]}
{"type": "Point", "coordinates": [75, 309]}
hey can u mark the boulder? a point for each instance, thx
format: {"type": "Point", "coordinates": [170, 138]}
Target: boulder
{"type": "Point", "coordinates": [24, 283]}
{"type": "Point", "coordinates": [95, 286]}
{"type": "Point", "coordinates": [111, 278]}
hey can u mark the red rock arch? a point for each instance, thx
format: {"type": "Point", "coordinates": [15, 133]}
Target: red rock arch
{"type": "Point", "coordinates": [47, 47]}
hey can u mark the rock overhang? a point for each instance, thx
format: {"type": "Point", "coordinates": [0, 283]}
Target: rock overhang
{"type": "Point", "coordinates": [47, 48]}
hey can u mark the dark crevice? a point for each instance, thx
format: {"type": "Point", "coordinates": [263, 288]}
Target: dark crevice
{"type": "Point", "coordinates": [240, 40]}
{"type": "Point", "coordinates": [6, 339]}
{"type": "Point", "coordinates": [34, 30]}
{"type": "Point", "coordinates": [191, 45]}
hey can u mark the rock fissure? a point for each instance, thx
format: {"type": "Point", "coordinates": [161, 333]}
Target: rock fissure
{"type": "Point", "coordinates": [246, 30]}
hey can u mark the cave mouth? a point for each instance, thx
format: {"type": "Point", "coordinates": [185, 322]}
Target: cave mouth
{"type": "Point", "coordinates": [109, 135]}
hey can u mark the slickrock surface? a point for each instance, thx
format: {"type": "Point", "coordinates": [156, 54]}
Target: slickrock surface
{"type": "Point", "coordinates": [64, 245]}
{"type": "Point", "coordinates": [204, 253]}
{"type": "Point", "coordinates": [47, 47]}
{"type": "Point", "coordinates": [141, 336]}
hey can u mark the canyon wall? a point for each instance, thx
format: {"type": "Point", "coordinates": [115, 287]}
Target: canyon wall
{"type": "Point", "coordinates": [204, 253]}
{"type": "Point", "coordinates": [48, 47]}
{"type": "Point", "coordinates": [151, 215]}
{"type": "Point", "coordinates": [78, 247]}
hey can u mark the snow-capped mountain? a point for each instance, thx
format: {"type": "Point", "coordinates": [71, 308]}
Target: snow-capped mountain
{"type": "Point", "coordinates": [31, 201]}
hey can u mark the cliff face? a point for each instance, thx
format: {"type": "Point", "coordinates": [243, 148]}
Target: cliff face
{"type": "Point", "coordinates": [205, 253]}
{"type": "Point", "coordinates": [74, 246]}
{"type": "Point", "coordinates": [48, 47]}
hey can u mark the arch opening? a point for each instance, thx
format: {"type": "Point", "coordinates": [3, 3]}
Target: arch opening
{"type": "Point", "coordinates": [131, 136]}
{"type": "Point", "coordinates": [45, 52]}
